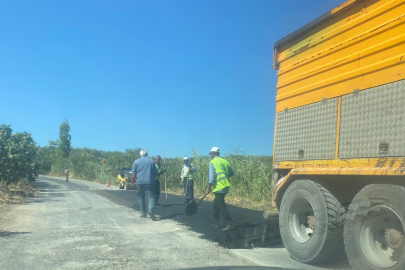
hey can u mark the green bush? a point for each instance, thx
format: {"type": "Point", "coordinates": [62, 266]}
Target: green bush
{"type": "Point", "coordinates": [18, 156]}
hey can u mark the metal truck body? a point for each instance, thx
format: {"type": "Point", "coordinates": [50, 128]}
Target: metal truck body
{"type": "Point", "coordinates": [340, 134]}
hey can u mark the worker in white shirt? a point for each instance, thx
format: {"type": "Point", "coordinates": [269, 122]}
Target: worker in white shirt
{"type": "Point", "coordinates": [67, 174]}
{"type": "Point", "coordinates": [187, 179]}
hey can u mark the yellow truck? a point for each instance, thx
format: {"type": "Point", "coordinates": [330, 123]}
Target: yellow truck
{"type": "Point", "coordinates": [339, 148]}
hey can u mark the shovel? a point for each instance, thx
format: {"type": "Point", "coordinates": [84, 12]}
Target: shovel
{"type": "Point", "coordinates": [191, 208]}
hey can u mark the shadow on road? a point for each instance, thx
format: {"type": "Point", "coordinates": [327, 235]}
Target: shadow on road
{"type": "Point", "coordinates": [54, 184]}
{"type": "Point", "coordinates": [51, 189]}
{"type": "Point", "coordinates": [171, 216]}
{"type": "Point", "coordinates": [11, 234]}
{"type": "Point", "coordinates": [249, 228]}
{"type": "Point", "coordinates": [238, 268]}
{"type": "Point", "coordinates": [49, 193]}
{"type": "Point", "coordinates": [168, 205]}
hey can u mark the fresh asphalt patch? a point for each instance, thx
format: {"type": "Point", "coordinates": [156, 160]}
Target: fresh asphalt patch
{"type": "Point", "coordinates": [251, 237]}
{"type": "Point", "coordinates": [249, 229]}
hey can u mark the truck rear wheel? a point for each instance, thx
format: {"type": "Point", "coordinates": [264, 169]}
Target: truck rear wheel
{"type": "Point", "coordinates": [311, 222]}
{"type": "Point", "coordinates": [374, 228]}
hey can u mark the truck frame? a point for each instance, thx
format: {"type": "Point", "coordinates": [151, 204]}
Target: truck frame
{"type": "Point", "coordinates": [339, 147]}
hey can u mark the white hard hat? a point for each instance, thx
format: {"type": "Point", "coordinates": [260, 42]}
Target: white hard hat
{"type": "Point", "coordinates": [185, 158]}
{"type": "Point", "coordinates": [214, 149]}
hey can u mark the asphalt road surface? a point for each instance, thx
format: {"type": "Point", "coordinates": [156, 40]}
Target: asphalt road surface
{"type": "Point", "coordinates": [83, 225]}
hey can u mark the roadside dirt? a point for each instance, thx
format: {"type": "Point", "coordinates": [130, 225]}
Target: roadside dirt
{"type": "Point", "coordinates": [16, 193]}
{"type": "Point", "coordinates": [10, 197]}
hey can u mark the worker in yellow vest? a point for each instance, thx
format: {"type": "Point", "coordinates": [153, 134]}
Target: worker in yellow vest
{"type": "Point", "coordinates": [219, 173]}
{"type": "Point", "coordinates": [160, 170]}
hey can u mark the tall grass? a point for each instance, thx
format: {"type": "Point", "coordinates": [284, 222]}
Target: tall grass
{"type": "Point", "coordinates": [251, 182]}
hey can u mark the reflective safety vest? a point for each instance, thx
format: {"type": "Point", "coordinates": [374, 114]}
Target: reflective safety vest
{"type": "Point", "coordinates": [189, 171]}
{"type": "Point", "coordinates": [159, 169]}
{"type": "Point", "coordinates": [221, 167]}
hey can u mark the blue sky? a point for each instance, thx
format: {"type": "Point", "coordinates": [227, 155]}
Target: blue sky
{"type": "Point", "coordinates": [164, 75]}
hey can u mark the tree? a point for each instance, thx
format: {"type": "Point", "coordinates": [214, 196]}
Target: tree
{"type": "Point", "coordinates": [64, 140]}
{"type": "Point", "coordinates": [46, 157]}
{"type": "Point", "coordinates": [18, 155]}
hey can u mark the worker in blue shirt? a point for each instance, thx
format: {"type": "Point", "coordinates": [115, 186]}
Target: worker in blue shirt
{"type": "Point", "coordinates": [144, 173]}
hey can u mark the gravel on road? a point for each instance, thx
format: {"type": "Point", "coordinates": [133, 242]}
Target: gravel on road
{"type": "Point", "coordinates": [69, 226]}
{"type": "Point", "coordinates": [84, 225]}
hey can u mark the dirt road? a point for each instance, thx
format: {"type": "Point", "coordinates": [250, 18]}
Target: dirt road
{"type": "Point", "coordinates": [83, 225]}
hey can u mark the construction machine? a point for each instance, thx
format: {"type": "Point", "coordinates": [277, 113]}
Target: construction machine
{"type": "Point", "coordinates": [124, 179]}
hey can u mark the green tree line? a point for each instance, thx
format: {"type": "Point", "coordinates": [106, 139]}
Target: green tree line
{"type": "Point", "coordinates": [20, 157]}
{"type": "Point", "coordinates": [85, 163]}
{"type": "Point", "coordinates": [251, 182]}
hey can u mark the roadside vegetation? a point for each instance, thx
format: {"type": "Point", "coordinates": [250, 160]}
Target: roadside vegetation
{"type": "Point", "coordinates": [18, 165]}
{"type": "Point", "coordinates": [250, 186]}
{"type": "Point", "coordinates": [16, 192]}
{"type": "Point", "coordinates": [21, 158]}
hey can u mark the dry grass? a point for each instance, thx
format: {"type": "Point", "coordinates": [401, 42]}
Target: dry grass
{"type": "Point", "coordinates": [15, 193]}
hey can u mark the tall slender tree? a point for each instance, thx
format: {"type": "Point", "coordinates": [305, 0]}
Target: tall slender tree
{"type": "Point", "coordinates": [64, 142]}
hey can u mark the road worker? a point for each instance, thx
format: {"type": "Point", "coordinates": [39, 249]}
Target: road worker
{"type": "Point", "coordinates": [143, 174]}
{"type": "Point", "coordinates": [187, 179]}
{"type": "Point", "coordinates": [67, 174]}
{"type": "Point", "coordinates": [160, 171]}
{"type": "Point", "coordinates": [219, 173]}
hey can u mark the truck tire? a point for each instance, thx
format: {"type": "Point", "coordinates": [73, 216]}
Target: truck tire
{"type": "Point", "coordinates": [311, 222]}
{"type": "Point", "coordinates": [374, 228]}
